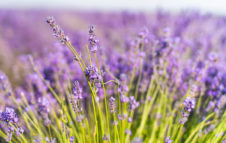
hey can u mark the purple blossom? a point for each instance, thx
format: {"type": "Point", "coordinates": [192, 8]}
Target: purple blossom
{"type": "Point", "coordinates": [93, 75]}
{"type": "Point", "coordinates": [124, 99]}
{"type": "Point", "coordinates": [167, 140]}
{"type": "Point", "coordinates": [115, 123]}
{"type": "Point", "coordinates": [122, 116]}
{"type": "Point", "coordinates": [50, 140]}
{"type": "Point", "coordinates": [43, 108]}
{"type": "Point", "coordinates": [77, 90]}
{"type": "Point", "coordinates": [5, 84]}
{"type": "Point", "coordinates": [127, 131]}
{"type": "Point", "coordinates": [189, 104]}
{"type": "Point", "coordinates": [10, 118]}
{"type": "Point", "coordinates": [137, 140]}
{"type": "Point", "coordinates": [71, 139]}
{"type": "Point", "coordinates": [130, 119]}
{"type": "Point", "coordinates": [58, 32]}
{"type": "Point", "coordinates": [93, 42]}
{"type": "Point", "coordinates": [79, 118]}
{"type": "Point", "coordinates": [106, 137]}
{"type": "Point", "coordinates": [74, 100]}
{"type": "Point", "coordinates": [112, 104]}
{"type": "Point", "coordinates": [133, 104]}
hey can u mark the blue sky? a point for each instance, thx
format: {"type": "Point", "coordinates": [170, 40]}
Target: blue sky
{"type": "Point", "coordinates": [213, 6]}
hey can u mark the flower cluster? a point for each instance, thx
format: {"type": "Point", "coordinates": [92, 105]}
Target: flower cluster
{"type": "Point", "coordinates": [77, 90]}
{"type": "Point", "coordinates": [93, 75]}
{"type": "Point", "coordinates": [149, 78]}
{"type": "Point", "coordinates": [167, 140]}
{"type": "Point", "coordinates": [93, 42]}
{"type": "Point", "coordinates": [10, 118]}
{"type": "Point", "coordinates": [112, 104]}
{"type": "Point", "coordinates": [133, 104]}
{"type": "Point", "coordinates": [43, 108]}
{"type": "Point", "coordinates": [5, 86]}
{"type": "Point", "coordinates": [58, 32]}
{"type": "Point", "coordinates": [189, 104]}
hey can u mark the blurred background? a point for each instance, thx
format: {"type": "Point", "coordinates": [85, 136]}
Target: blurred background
{"type": "Point", "coordinates": [216, 6]}
{"type": "Point", "coordinates": [23, 29]}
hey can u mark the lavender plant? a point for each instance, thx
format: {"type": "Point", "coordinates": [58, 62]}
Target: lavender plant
{"type": "Point", "coordinates": [147, 92]}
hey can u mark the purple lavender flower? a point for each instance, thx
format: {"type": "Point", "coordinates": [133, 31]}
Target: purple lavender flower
{"type": "Point", "coordinates": [94, 76]}
{"type": "Point", "coordinates": [112, 104]}
{"type": "Point", "coordinates": [71, 139]}
{"type": "Point", "coordinates": [93, 42]}
{"type": "Point", "coordinates": [77, 90]}
{"type": "Point", "coordinates": [122, 116]}
{"type": "Point", "coordinates": [221, 103]}
{"type": "Point", "coordinates": [184, 118]}
{"type": "Point", "coordinates": [43, 108]}
{"type": "Point", "coordinates": [133, 104]}
{"type": "Point", "coordinates": [184, 114]}
{"type": "Point", "coordinates": [74, 100]}
{"type": "Point", "coordinates": [137, 140]}
{"type": "Point", "coordinates": [58, 32]}
{"type": "Point", "coordinates": [130, 119]}
{"type": "Point", "coordinates": [189, 104]}
{"type": "Point", "coordinates": [212, 57]}
{"type": "Point", "coordinates": [142, 37]}
{"type": "Point", "coordinates": [79, 118]}
{"type": "Point", "coordinates": [210, 106]}
{"type": "Point", "coordinates": [106, 137]}
{"type": "Point", "coordinates": [127, 131]}
{"type": "Point", "coordinates": [5, 84]}
{"type": "Point", "coordinates": [10, 118]}
{"type": "Point", "coordinates": [37, 139]}
{"type": "Point", "coordinates": [123, 88]}
{"type": "Point", "coordinates": [124, 99]}
{"type": "Point", "coordinates": [167, 140]}
{"type": "Point", "coordinates": [50, 140]}
{"type": "Point", "coordinates": [115, 123]}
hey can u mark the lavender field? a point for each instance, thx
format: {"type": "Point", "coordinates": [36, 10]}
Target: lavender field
{"type": "Point", "coordinates": [116, 77]}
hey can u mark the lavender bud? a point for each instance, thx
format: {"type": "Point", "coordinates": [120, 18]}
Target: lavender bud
{"type": "Point", "coordinates": [124, 99]}
{"type": "Point", "coordinates": [112, 104]}
{"type": "Point", "coordinates": [58, 32]}
{"type": "Point", "coordinates": [130, 119]}
{"type": "Point", "coordinates": [115, 123]}
{"type": "Point", "coordinates": [50, 140]}
{"type": "Point", "coordinates": [167, 140]}
{"type": "Point", "coordinates": [71, 139]}
{"type": "Point", "coordinates": [77, 91]}
{"type": "Point", "coordinates": [189, 104]}
{"type": "Point", "coordinates": [137, 140]}
{"type": "Point", "coordinates": [133, 104]}
{"type": "Point", "coordinates": [127, 131]}
{"type": "Point", "coordinates": [106, 137]}
{"type": "Point", "coordinates": [93, 42]}
{"type": "Point", "coordinates": [38, 139]}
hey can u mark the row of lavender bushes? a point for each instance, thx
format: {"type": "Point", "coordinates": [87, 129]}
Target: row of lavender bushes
{"type": "Point", "coordinates": [135, 78]}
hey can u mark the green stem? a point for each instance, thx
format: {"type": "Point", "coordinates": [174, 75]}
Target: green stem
{"type": "Point", "coordinates": [105, 98]}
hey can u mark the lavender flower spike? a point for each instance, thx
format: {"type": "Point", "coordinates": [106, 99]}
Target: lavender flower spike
{"type": "Point", "coordinates": [94, 76]}
{"type": "Point", "coordinates": [112, 104]}
{"type": "Point", "coordinates": [189, 104]}
{"type": "Point", "coordinates": [77, 91]}
{"type": "Point", "coordinates": [9, 116]}
{"type": "Point", "coordinates": [58, 32]}
{"type": "Point", "coordinates": [133, 104]}
{"type": "Point", "coordinates": [167, 140]}
{"type": "Point", "coordinates": [93, 42]}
